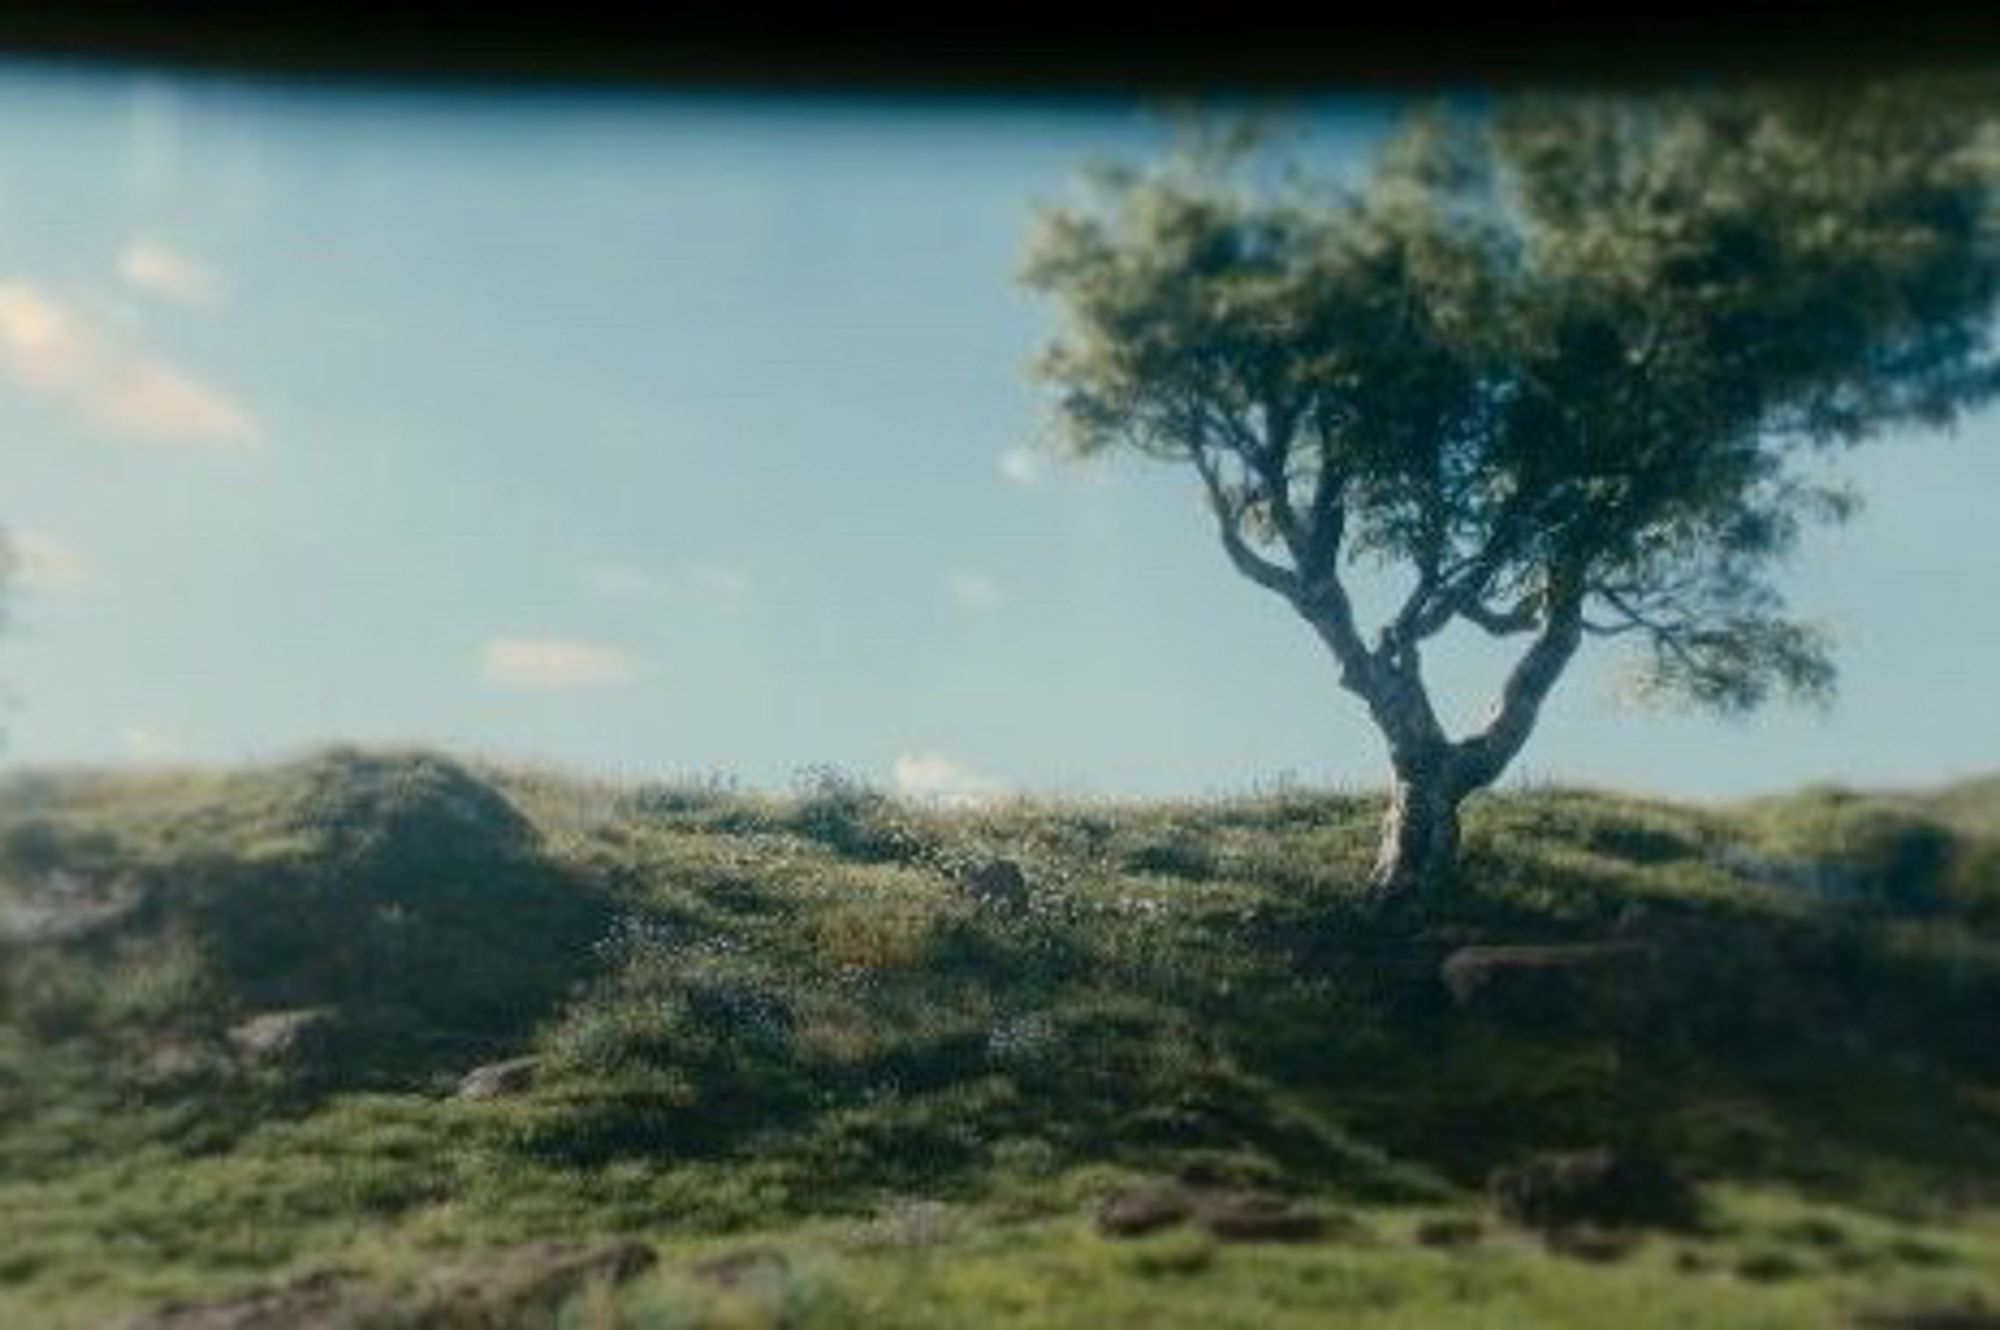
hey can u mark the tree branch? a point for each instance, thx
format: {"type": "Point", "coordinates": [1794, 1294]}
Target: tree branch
{"type": "Point", "coordinates": [1482, 757]}
{"type": "Point", "coordinates": [1228, 520]}
{"type": "Point", "coordinates": [1312, 584]}
{"type": "Point", "coordinates": [1459, 591]}
{"type": "Point", "coordinates": [1269, 458]}
{"type": "Point", "coordinates": [1665, 634]}
{"type": "Point", "coordinates": [1521, 617]}
{"type": "Point", "coordinates": [1329, 518]}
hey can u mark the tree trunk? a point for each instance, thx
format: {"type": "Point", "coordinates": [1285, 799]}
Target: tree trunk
{"type": "Point", "coordinates": [1419, 848]}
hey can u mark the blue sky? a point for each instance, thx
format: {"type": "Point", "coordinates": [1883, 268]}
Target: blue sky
{"type": "Point", "coordinates": [670, 435]}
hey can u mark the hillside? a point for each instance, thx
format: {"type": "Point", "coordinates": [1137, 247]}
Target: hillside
{"type": "Point", "coordinates": [829, 1060]}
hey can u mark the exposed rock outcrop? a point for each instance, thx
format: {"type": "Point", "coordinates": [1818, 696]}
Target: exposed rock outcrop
{"type": "Point", "coordinates": [497, 1080]}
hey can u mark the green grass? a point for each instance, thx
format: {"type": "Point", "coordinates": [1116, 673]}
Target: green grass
{"type": "Point", "coordinates": [1060, 1274]}
{"type": "Point", "coordinates": [787, 1021]}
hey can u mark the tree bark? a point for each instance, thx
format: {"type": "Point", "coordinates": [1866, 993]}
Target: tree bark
{"type": "Point", "coordinates": [1419, 846]}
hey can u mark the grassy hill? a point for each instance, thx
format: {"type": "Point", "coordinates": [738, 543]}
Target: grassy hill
{"type": "Point", "coordinates": [836, 1061]}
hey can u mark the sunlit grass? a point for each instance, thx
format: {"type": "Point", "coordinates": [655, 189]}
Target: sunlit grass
{"type": "Point", "coordinates": [794, 1021]}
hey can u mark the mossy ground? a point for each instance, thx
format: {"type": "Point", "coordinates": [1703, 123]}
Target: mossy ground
{"type": "Point", "coordinates": [789, 1023]}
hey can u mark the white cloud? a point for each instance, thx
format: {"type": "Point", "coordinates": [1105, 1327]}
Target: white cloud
{"type": "Point", "coordinates": [44, 564]}
{"type": "Point", "coordinates": [971, 589]}
{"type": "Point", "coordinates": [150, 400]}
{"type": "Point", "coordinates": [552, 664]}
{"type": "Point", "coordinates": [936, 779]}
{"type": "Point", "coordinates": [47, 347]}
{"type": "Point", "coordinates": [1021, 465]}
{"type": "Point", "coordinates": [143, 744]}
{"type": "Point", "coordinates": [151, 267]}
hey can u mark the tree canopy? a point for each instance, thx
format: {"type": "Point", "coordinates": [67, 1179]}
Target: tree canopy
{"type": "Point", "coordinates": [1575, 366]}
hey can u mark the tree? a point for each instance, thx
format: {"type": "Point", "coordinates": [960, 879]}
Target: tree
{"type": "Point", "coordinates": [1571, 367]}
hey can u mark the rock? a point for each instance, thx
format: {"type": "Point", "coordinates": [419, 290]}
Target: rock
{"type": "Point", "coordinates": [497, 1290]}
{"type": "Point", "coordinates": [1599, 1188]}
{"type": "Point", "coordinates": [1251, 1217]}
{"type": "Point", "coordinates": [1228, 1215]}
{"type": "Point", "coordinates": [496, 1080]}
{"type": "Point", "coordinates": [284, 1036]}
{"type": "Point", "coordinates": [1144, 1207]}
{"type": "Point", "coordinates": [322, 1300]}
{"type": "Point", "coordinates": [505, 1287]}
{"type": "Point", "coordinates": [999, 883]}
{"type": "Point", "coordinates": [59, 906]}
{"type": "Point", "coordinates": [176, 1064]}
{"type": "Point", "coordinates": [751, 1268]}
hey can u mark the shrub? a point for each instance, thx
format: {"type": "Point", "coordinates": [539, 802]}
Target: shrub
{"type": "Point", "coordinates": [1890, 856]}
{"type": "Point", "coordinates": [38, 846]}
{"type": "Point", "coordinates": [1177, 854]}
{"type": "Point", "coordinates": [50, 997]}
{"type": "Point", "coordinates": [845, 814]}
{"type": "Point", "coordinates": [1972, 883]}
